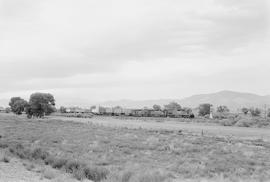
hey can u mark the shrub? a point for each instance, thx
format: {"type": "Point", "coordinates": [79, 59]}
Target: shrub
{"type": "Point", "coordinates": [245, 123]}
{"type": "Point", "coordinates": [255, 111]}
{"type": "Point", "coordinates": [39, 154]}
{"type": "Point", "coordinates": [227, 122]}
{"type": "Point", "coordinates": [4, 158]}
{"type": "Point", "coordinates": [79, 169]}
{"type": "Point", "coordinates": [219, 115]}
{"type": "Point", "coordinates": [59, 163]}
{"type": "Point", "coordinates": [49, 160]}
{"type": "Point", "coordinates": [72, 166]}
{"type": "Point", "coordinates": [245, 110]}
{"type": "Point", "coordinates": [20, 151]}
{"type": "Point", "coordinates": [95, 174]}
{"type": "Point", "coordinates": [223, 109]}
{"type": "Point", "coordinates": [49, 174]}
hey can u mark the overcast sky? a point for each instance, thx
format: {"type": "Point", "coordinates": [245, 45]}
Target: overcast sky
{"type": "Point", "coordinates": [90, 51]}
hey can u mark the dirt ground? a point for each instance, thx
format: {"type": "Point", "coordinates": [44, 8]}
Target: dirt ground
{"type": "Point", "coordinates": [206, 128]}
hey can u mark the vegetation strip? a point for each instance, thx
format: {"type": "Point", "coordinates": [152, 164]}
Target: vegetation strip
{"type": "Point", "coordinates": [79, 169]}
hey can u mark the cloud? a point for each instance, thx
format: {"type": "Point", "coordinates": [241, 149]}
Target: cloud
{"type": "Point", "coordinates": [58, 45]}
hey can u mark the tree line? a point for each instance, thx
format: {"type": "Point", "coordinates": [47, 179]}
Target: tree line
{"type": "Point", "coordinates": [39, 105]}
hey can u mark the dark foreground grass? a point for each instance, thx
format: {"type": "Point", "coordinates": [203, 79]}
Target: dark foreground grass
{"type": "Point", "coordinates": [80, 170]}
{"type": "Point", "coordinates": [134, 155]}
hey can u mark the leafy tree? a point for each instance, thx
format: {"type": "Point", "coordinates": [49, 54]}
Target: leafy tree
{"type": "Point", "coordinates": [268, 113]}
{"type": "Point", "coordinates": [173, 106]}
{"type": "Point", "coordinates": [222, 109]}
{"type": "Point", "coordinates": [187, 110]}
{"type": "Point", "coordinates": [40, 104]}
{"type": "Point", "coordinates": [255, 111]}
{"type": "Point", "coordinates": [157, 107]}
{"type": "Point", "coordinates": [17, 105]}
{"type": "Point", "coordinates": [245, 110]}
{"type": "Point", "coordinates": [63, 109]}
{"type": "Point", "coordinates": [204, 109]}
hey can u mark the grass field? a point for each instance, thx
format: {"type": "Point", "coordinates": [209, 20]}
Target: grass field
{"type": "Point", "coordinates": [135, 155]}
{"type": "Point", "coordinates": [212, 129]}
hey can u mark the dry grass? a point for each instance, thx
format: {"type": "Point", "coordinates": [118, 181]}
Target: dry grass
{"type": "Point", "coordinates": [4, 158]}
{"type": "Point", "coordinates": [134, 155]}
{"type": "Point", "coordinates": [49, 173]}
{"type": "Point", "coordinates": [228, 119]}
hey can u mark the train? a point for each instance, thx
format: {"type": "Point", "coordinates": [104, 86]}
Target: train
{"type": "Point", "coordinates": [108, 111]}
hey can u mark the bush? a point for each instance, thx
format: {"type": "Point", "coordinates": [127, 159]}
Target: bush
{"type": "Point", "coordinates": [245, 123]}
{"type": "Point", "coordinates": [219, 115]}
{"type": "Point", "coordinates": [49, 174]}
{"type": "Point", "coordinates": [72, 166]}
{"type": "Point", "coordinates": [59, 163]}
{"type": "Point", "coordinates": [39, 154]}
{"type": "Point", "coordinates": [79, 169]}
{"type": "Point", "coordinates": [4, 158]}
{"type": "Point", "coordinates": [20, 151]}
{"type": "Point", "coordinates": [95, 174]}
{"type": "Point", "coordinates": [227, 122]}
{"type": "Point", "coordinates": [223, 109]}
{"type": "Point", "coordinates": [255, 112]}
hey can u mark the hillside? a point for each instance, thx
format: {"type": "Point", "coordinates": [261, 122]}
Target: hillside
{"type": "Point", "coordinates": [233, 100]}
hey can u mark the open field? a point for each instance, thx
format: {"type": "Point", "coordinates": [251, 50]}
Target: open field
{"type": "Point", "coordinates": [196, 127]}
{"type": "Point", "coordinates": [135, 154]}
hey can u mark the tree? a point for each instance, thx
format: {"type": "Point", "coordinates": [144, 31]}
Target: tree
{"type": "Point", "coordinates": [223, 109]}
{"type": "Point", "coordinates": [245, 110]}
{"type": "Point", "coordinates": [40, 104]}
{"type": "Point", "coordinates": [204, 109]}
{"type": "Point", "coordinates": [187, 110]}
{"type": "Point", "coordinates": [255, 111]}
{"type": "Point", "coordinates": [268, 113]}
{"type": "Point", "coordinates": [63, 109]}
{"type": "Point", "coordinates": [17, 105]}
{"type": "Point", "coordinates": [157, 107]}
{"type": "Point", "coordinates": [172, 106]}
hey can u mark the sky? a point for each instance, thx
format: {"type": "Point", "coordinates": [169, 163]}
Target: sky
{"type": "Point", "coordinates": [86, 52]}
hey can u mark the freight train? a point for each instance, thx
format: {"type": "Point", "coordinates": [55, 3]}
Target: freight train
{"type": "Point", "coordinates": [107, 111]}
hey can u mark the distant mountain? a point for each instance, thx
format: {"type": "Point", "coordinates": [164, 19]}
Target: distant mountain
{"type": "Point", "coordinates": [234, 100]}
